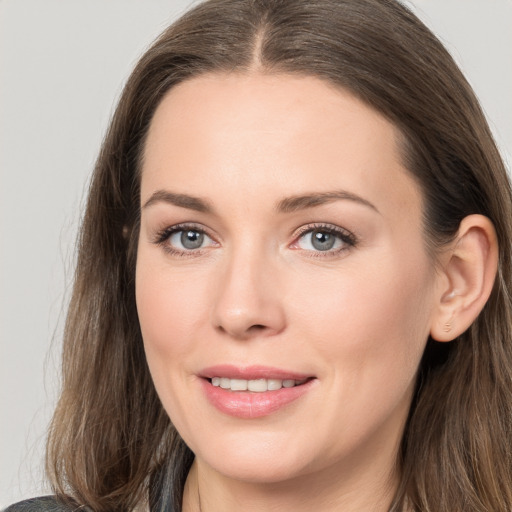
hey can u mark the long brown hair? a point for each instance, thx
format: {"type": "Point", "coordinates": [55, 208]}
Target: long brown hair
{"type": "Point", "coordinates": [110, 441]}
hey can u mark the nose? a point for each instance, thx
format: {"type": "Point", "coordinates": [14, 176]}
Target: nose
{"type": "Point", "coordinates": [249, 301]}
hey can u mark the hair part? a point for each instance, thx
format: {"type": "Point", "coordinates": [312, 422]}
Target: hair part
{"type": "Point", "coordinates": [111, 445]}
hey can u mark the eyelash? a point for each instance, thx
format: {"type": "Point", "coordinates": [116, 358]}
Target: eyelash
{"type": "Point", "coordinates": [163, 236]}
{"type": "Point", "coordinates": [348, 239]}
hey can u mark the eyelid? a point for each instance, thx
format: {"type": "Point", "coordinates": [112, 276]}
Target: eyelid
{"type": "Point", "coordinates": [348, 238]}
{"type": "Point", "coordinates": [323, 226]}
{"type": "Point", "coordinates": [162, 236]}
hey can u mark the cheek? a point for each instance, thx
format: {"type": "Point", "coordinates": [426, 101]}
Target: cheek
{"type": "Point", "coordinates": [169, 306]}
{"type": "Point", "coordinates": [369, 328]}
{"type": "Point", "coordinates": [372, 322]}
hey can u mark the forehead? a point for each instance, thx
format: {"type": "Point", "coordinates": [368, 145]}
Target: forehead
{"type": "Point", "coordinates": [273, 135]}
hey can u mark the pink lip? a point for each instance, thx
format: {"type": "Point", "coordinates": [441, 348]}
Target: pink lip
{"type": "Point", "coordinates": [251, 372]}
{"type": "Point", "coordinates": [247, 404]}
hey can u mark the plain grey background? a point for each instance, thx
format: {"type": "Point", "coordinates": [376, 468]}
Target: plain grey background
{"type": "Point", "coordinates": [62, 66]}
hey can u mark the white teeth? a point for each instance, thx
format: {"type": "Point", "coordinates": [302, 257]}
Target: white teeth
{"type": "Point", "coordinates": [256, 385]}
{"type": "Point", "coordinates": [274, 384]}
{"type": "Point", "coordinates": [238, 385]}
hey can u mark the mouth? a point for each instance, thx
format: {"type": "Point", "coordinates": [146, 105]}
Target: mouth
{"type": "Point", "coordinates": [253, 392]}
{"type": "Point", "coordinates": [256, 385]}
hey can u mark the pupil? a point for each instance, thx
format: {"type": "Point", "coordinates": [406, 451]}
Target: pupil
{"type": "Point", "coordinates": [323, 241]}
{"type": "Point", "coordinates": [192, 239]}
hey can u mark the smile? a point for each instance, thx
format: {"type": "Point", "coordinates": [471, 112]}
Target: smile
{"type": "Point", "coordinates": [255, 385]}
{"type": "Point", "coordinates": [255, 391]}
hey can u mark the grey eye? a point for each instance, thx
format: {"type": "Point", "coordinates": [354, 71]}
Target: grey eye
{"type": "Point", "coordinates": [192, 239]}
{"type": "Point", "coordinates": [320, 240]}
{"type": "Point", "coordinates": [189, 239]}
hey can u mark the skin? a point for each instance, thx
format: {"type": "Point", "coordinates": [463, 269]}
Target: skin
{"type": "Point", "coordinates": [258, 292]}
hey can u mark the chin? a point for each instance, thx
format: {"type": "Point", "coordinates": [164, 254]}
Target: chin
{"type": "Point", "coordinates": [258, 471]}
{"type": "Point", "coordinates": [269, 459]}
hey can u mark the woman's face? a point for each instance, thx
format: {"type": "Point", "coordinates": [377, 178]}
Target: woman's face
{"type": "Point", "coordinates": [281, 245]}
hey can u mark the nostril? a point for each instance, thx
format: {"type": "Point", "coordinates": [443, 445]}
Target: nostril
{"type": "Point", "coordinates": [258, 327]}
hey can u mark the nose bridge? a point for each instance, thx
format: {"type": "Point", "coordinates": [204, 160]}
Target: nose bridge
{"type": "Point", "coordinates": [248, 302]}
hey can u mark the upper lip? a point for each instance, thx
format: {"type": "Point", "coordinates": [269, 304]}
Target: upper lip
{"type": "Point", "coordinates": [251, 372]}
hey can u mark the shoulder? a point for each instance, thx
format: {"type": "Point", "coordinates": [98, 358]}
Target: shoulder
{"type": "Point", "coordinates": [43, 504]}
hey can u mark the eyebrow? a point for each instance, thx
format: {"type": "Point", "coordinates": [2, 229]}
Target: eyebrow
{"type": "Point", "coordinates": [182, 200]}
{"type": "Point", "coordinates": [286, 205]}
{"type": "Point", "coordinates": [302, 202]}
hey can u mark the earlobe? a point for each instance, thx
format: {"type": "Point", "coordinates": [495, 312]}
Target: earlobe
{"type": "Point", "coordinates": [468, 274]}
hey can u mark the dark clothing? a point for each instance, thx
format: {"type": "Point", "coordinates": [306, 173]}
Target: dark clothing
{"type": "Point", "coordinates": [44, 504]}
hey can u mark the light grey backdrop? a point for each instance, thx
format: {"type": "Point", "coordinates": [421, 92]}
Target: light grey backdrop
{"type": "Point", "coordinates": [62, 65]}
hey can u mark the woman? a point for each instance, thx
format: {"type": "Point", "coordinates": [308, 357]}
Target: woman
{"type": "Point", "coordinates": [293, 284]}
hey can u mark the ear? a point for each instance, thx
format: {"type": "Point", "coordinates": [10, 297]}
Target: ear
{"type": "Point", "coordinates": [467, 277]}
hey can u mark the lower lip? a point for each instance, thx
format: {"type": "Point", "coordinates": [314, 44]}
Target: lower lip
{"type": "Point", "coordinates": [247, 404]}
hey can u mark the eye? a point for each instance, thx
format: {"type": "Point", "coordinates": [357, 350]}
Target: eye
{"type": "Point", "coordinates": [183, 239]}
{"type": "Point", "coordinates": [188, 239]}
{"type": "Point", "coordinates": [326, 239]}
